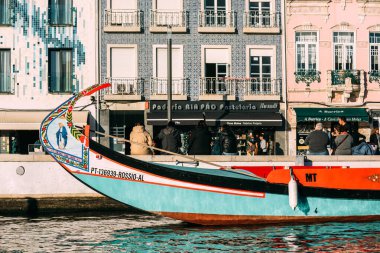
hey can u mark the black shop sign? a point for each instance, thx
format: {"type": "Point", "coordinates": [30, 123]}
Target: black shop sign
{"type": "Point", "coordinates": [215, 106]}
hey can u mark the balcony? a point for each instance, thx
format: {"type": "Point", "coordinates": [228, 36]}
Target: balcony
{"type": "Point", "coordinates": [307, 76]}
{"type": "Point", "coordinates": [159, 90]}
{"type": "Point", "coordinates": [122, 20]}
{"type": "Point", "coordinates": [210, 21]}
{"type": "Point", "coordinates": [217, 88]}
{"type": "Point", "coordinates": [374, 76]}
{"type": "Point", "coordinates": [123, 89]}
{"type": "Point", "coordinates": [346, 84]}
{"type": "Point", "coordinates": [161, 20]}
{"type": "Point", "coordinates": [261, 22]}
{"type": "Point", "coordinates": [262, 89]}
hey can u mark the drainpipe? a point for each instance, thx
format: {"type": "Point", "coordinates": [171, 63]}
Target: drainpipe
{"type": "Point", "coordinates": [284, 73]}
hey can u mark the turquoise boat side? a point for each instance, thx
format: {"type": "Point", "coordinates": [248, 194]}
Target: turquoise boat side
{"type": "Point", "coordinates": [159, 198]}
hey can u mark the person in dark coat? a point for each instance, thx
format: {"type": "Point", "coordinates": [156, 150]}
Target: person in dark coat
{"type": "Point", "coordinates": [200, 140]}
{"type": "Point", "coordinates": [228, 141]}
{"type": "Point", "coordinates": [170, 138]}
{"type": "Point", "coordinates": [374, 139]}
{"type": "Point", "coordinates": [317, 141]}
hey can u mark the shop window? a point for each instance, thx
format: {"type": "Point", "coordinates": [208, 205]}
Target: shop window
{"type": "Point", "coordinates": [60, 71]}
{"type": "Point", "coordinates": [5, 17]}
{"type": "Point", "coordinates": [60, 12]}
{"type": "Point", "coordinates": [343, 50]}
{"type": "Point", "coordinates": [259, 13]}
{"type": "Point", "coordinates": [5, 71]}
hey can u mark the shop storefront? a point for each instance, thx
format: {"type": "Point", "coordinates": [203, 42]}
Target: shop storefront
{"type": "Point", "coordinates": [358, 118]}
{"type": "Point", "coordinates": [242, 117]}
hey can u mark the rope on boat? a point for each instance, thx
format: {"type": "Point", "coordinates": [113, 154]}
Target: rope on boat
{"type": "Point", "coordinates": [227, 168]}
{"type": "Point", "coordinates": [159, 149]}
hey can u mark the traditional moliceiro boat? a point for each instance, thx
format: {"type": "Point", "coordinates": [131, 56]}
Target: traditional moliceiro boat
{"type": "Point", "coordinates": [222, 196]}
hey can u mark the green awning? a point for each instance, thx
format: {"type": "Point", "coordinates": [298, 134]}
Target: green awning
{"type": "Point", "coordinates": [331, 114]}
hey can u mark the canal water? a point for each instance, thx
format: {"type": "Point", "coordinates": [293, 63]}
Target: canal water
{"type": "Point", "coordinates": [147, 233]}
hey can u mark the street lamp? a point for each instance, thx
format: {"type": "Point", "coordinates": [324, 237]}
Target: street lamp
{"type": "Point", "coordinates": [169, 72]}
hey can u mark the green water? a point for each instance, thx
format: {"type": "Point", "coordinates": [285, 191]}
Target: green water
{"type": "Point", "coordinates": [146, 233]}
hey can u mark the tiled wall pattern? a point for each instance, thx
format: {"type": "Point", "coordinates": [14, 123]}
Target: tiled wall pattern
{"type": "Point", "coordinates": [192, 42]}
{"type": "Point", "coordinates": [29, 38]}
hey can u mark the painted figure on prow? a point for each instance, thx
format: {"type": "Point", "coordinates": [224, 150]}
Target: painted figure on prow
{"type": "Point", "coordinates": [61, 136]}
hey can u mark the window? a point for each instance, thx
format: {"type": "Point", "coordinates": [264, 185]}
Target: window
{"type": "Point", "coordinates": [343, 50]}
{"type": "Point", "coordinates": [168, 13]}
{"type": "Point", "coordinates": [216, 68]}
{"type": "Point", "coordinates": [5, 12]}
{"type": "Point", "coordinates": [5, 71]}
{"type": "Point", "coordinates": [306, 47]}
{"type": "Point", "coordinates": [374, 40]}
{"type": "Point", "coordinates": [60, 70]}
{"type": "Point", "coordinates": [60, 12]}
{"type": "Point", "coordinates": [215, 12]}
{"type": "Point", "coordinates": [259, 13]}
{"type": "Point", "coordinates": [160, 67]}
{"type": "Point", "coordinates": [261, 70]}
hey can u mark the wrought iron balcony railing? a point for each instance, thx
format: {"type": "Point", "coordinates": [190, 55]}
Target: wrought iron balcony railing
{"type": "Point", "coordinates": [374, 76]}
{"type": "Point", "coordinates": [263, 86]}
{"type": "Point", "coordinates": [163, 18]}
{"type": "Point", "coordinates": [261, 19]}
{"type": "Point", "coordinates": [124, 86]}
{"type": "Point", "coordinates": [123, 18]}
{"type": "Point", "coordinates": [217, 19]}
{"type": "Point", "coordinates": [217, 85]}
{"type": "Point", "coordinates": [307, 76]}
{"type": "Point", "coordinates": [338, 77]}
{"type": "Point", "coordinates": [159, 86]}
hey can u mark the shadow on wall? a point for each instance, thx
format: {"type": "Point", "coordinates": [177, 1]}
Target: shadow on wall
{"type": "Point", "coordinates": [279, 150]}
{"type": "Point", "coordinates": [31, 208]}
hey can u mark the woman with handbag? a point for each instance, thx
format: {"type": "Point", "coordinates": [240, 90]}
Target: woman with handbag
{"type": "Point", "coordinates": [343, 142]}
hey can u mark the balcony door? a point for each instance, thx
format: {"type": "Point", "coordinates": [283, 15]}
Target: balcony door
{"type": "Point", "coordinates": [123, 70]}
{"type": "Point", "coordinates": [168, 13]}
{"type": "Point", "coordinates": [161, 70]}
{"type": "Point", "coordinates": [123, 12]}
{"type": "Point", "coordinates": [215, 12]}
{"type": "Point", "coordinates": [123, 5]}
{"type": "Point", "coordinates": [216, 69]}
{"type": "Point", "coordinates": [374, 40]}
{"type": "Point", "coordinates": [260, 13]}
{"type": "Point", "coordinates": [5, 70]}
{"type": "Point", "coordinates": [344, 54]}
{"type": "Point", "coordinates": [261, 70]}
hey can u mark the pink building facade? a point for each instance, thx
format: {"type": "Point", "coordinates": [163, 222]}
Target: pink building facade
{"type": "Point", "coordinates": [332, 61]}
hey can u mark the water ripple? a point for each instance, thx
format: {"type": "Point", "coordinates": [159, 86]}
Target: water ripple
{"type": "Point", "coordinates": [148, 233]}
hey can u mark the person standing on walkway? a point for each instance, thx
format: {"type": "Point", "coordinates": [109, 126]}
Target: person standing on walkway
{"type": "Point", "coordinates": [228, 141]}
{"type": "Point", "coordinates": [374, 139]}
{"type": "Point", "coordinates": [263, 145]}
{"type": "Point", "coordinates": [343, 142]}
{"type": "Point", "coordinates": [317, 141]}
{"type": "Point", "coordinates": [200, 140]}
{"type": "Point", "coordinates": [140, 139]}
{"type": "Point", "coordinates": [170, 138]}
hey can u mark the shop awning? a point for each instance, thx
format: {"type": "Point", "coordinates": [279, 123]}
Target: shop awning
{"type": "Point", "coordinates": [331, 114]}
{"type": "Point", "coordinates": [217, 118]}
{"type": "Point", "coordinates": [31, 120]}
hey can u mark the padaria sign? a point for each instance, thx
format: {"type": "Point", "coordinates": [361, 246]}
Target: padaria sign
{"type": "Point", "coordinates": [216, 106]}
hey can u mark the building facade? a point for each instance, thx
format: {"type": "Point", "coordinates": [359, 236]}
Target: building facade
{"type": "Point", "coordinates": [47, 52]}
{"type": "Point", "coordinates": [332, 51]}
{"type": "Point", "coordinates": [226, 65]}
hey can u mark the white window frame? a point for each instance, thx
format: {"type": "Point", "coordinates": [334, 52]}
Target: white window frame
{"type": "Point", "coordinates": [109, 49]}
{"type": "Point", "coordinates": [344, 48]}
{"type": "Point", "coordinates": [109, 4]}
{"type": "Point", "coordinates": [203, 57]}
{"type": "Point", "coordinates": [261, 47]}
{"type": "Point", "coordinates": [164, 46]}
{"type": "Point", "coordinates": [272, 4]}
{"type": "Point", "coordinates": [228, 5]}
{"type": "Point", "coordinates": [154, 5]}
{"type": "Point", "coordinates": [378, 52]}
{"type": "Point", "coordinates": [306, 50]}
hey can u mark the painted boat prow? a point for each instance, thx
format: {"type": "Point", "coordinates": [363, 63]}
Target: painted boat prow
{"type": "Point", "coordinates": [248, 195]}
